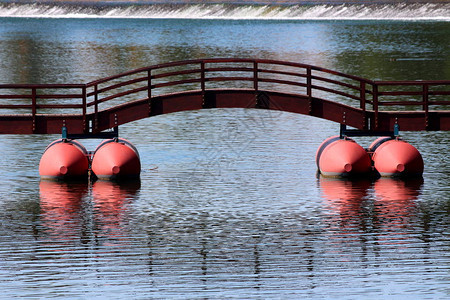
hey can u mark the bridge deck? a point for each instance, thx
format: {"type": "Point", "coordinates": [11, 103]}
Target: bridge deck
{"type": "Point", "coordinates": [224, 83]}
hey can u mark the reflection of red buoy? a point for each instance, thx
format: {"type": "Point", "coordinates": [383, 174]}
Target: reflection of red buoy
{"type": "Point", "coordinates": [397, 189]}
{"type": "Point", "coordinates": [115, 159]}
{"type": "Point", "coordinates": [110, 196]}
{"type": "Point", "coordinates": [395, 202]}
{"type": "Point", "coordinates": [110, 201]}
{"type": "Point", "coordinates": [344, 199]}
{"type": "Point", "coordinates": [342, 157]}
{"type": "Point", "coordinates": [394, 157]}
{"type": "Point", "coordinates": [61, 194]}
{"type": "Point", "coordinates": [61, 210]}
{"type": "Point", "coordinates": [64, 159]}
{"type": "Point", "coordinates": [344, 189]}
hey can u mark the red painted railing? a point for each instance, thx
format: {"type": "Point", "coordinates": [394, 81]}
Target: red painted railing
{"type": "Point", "coordinates": [207, 74]}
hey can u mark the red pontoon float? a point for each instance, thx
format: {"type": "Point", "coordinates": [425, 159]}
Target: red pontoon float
{"type": "Point", "coordinates": [116, 158]}
{"type": "Point", "coordinates": [342, 158]}
{"type": "Point", "coordinates": [395, 157]}
{"type": "Point", "coordinates": [64, 159]}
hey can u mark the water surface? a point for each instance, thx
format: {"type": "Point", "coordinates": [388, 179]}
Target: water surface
{"type": "Point", "coordinates": [229, 204]}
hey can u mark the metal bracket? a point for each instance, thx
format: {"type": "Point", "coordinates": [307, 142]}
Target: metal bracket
{"type": "Point", "coordinates": [101, 135]}
{"type": "Point", "coordinates": [356, 132]}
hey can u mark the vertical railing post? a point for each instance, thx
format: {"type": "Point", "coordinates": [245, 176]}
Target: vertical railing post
{"type": "Point", "coordinates": [362, 98]}
{"type": "Point", "coordinates": [149, 90]}
{"type": "Point", "coordinates": [96, 107]}
{"type": "Point", "coordinates": [149, 83]}
{"type": "Point", "coordinates": [203, 77]}
{"type": "Point", "coordinates": [255, 76]}
{"type": "Point", "coordinates": [362, 95]}
{"type": "Point", "coordinates": [425, 103]}
{"type": "Point", "coordinates": [33, 108]}
{"type": "Point", "coordinates": [202, 82]}
{"type": "Point", "coordinates": [309, 82]}
{"type": "Point", "coordinates": [85, 126]}
{"type": "Point", "coordinates": [309, 88]}
{"type": "Point", "coordinates": [375, 103]}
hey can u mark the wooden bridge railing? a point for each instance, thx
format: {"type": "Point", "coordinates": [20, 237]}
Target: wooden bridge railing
{"type": "Point", "coordinates": [35, 99]}
{"type": "Point", "coordinates": [258, 75]}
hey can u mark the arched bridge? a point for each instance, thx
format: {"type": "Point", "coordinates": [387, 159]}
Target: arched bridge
{"type": "Point", "coordinates": [224, 83]}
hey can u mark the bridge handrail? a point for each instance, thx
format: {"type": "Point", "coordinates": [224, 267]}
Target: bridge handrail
{"type": "Point", "coordinates": [257, 70]}
{"type": "Point", "coordinates": [197, 73]}
{"type": "Point", "coordinates": [34, 92]}
{"type": "Point", "coordinates": [424, 93]}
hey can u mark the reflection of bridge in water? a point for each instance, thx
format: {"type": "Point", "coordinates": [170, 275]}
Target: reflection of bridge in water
{"type": "Point", "coordinates": [224, 83]}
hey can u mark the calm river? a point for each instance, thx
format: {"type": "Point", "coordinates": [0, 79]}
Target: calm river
{"type": "Point", "coordinates": [229, 204]}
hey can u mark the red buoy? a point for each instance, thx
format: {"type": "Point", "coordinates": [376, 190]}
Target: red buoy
{"type": "Point", "coordinates": [64, 160]}
{"type": "Point", "coordinates": [395, 157]}
{"type": "Point", "coordinates": [342, 158]}
{"type": "Point", "coordinates": [116, 159]}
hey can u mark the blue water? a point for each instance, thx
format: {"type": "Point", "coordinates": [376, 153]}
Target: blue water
{"type": "Point", "coordinates": [229, 204]}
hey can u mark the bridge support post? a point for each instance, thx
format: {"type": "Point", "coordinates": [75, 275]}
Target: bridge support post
{"type": "Point", "coordinates": [262, 100]}
{"type": "Point", "coordinates": [209, 100]}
